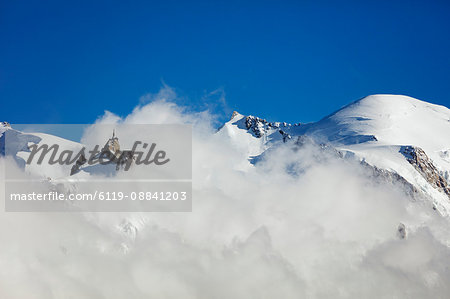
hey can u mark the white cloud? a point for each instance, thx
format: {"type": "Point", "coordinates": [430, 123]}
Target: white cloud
{"type": "Point", "coordinates": [327, 232]}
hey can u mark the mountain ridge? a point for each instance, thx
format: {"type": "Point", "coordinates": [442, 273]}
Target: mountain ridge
{"type": "Point", "coordinates": [398, 137]}
{"type": "Point", "coordinates": [376, 130]}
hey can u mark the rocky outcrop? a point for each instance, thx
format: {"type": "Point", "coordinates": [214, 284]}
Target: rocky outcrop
{"type": "Point", "coordinates": [76, 167]}
{"type": "Point", "coordinates": [110, 154]}
{"type": "Point", "coordinates": [323, 151]}
{"type": "Point", "coordinates": [285, 135]}
{"type": "Point", "coordinates": [424, 165]}
{"type": "Point", "coordinates": [401, 231]}
{"type": "Point", "coordinates": [322, 148]}
{"type": "Point", "coordinates": [258, 126]}
{"type": "Point", "coordinates": [393, 178]}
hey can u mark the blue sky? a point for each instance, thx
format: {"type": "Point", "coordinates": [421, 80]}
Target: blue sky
{"type": "Point", "coordinates": [295, 61]}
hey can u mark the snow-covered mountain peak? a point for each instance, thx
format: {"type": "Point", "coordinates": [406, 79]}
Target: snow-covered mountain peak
{"type": "Point", "coordinates": [253, 135]}
{"type": "Point", "coordinates": [391, 108]}
{"type": "Point", "coordinates": [235, 116]}
{"type": "Point", "coordinates": [387, 119]}
{"type": "Point", "coordinates": [382, 131]}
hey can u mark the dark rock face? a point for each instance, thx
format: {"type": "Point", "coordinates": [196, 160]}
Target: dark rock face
{"type": "Point", "coordinates": [258, 126]}
{"type": "Point", "coordinates": [322, 150]}
{"type": "Point", "coordinates": [424, 165]}
{"type": "Point", "coordinates": [76, 167]}
{"type": "Point", "coordinates": [326, 151]}
{"type": "Point", "coordinates": [285, 135]}
{"type": "Point", "coordinates": [401, 231]}
{"type": "Point", "coordinates": [392, 178]}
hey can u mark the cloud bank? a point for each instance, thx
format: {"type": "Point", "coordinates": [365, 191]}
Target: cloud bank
{"type": "Point", "coordinates": [299, 224]}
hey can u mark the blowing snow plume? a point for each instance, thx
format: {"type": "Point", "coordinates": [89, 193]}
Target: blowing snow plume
{"type": "Point", "coordinates": [324, 213]}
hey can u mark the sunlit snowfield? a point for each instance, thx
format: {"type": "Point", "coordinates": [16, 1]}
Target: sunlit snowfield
{"type": "Point", "coordinates": [300, 223]}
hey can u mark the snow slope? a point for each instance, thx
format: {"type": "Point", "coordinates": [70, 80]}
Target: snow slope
{"type": "Point", "coordinates": [17, 146]}
{"type": "Point", "coordinates": [391, 119]}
